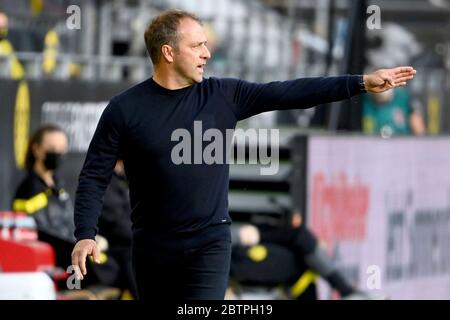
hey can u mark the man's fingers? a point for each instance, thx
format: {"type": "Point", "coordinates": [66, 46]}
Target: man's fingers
{"type": "Point", "coordinates": [96, 254]}
{"type": "Point", "coordinates": [404, 69]}
{"type": "Point", "coordinates": [385, 79]}
{"type": "Point", "coordinates": [78, 274]}
{"type": "Point", "coordinates": [82, 261]}
{"type": "Point", "coordinates": [75, 261]}
{"type": "Point", "coordinates": [404, 74]}
{"type": "Point", "coordinates": [404, 79]}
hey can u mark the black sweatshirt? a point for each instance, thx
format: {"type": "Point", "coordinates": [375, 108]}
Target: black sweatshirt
{"type": "Point", "coordinates": [137, 124]}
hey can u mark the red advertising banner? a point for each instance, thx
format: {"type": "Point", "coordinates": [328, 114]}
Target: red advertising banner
{"type": "Point", "coordinates": [382, 209]}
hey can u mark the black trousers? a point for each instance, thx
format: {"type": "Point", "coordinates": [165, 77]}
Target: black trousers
{"type": "Point", "coordinates": [190, 266]}
{"type": "Point", "coordinates": [125, 275]}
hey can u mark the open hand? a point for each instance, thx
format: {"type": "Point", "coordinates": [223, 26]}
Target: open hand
{"type": "Point", "coordinates": [385, 79]}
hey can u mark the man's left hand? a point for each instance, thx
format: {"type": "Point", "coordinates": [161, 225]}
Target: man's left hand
{"type": "Point", "coordinates": [385, 79]}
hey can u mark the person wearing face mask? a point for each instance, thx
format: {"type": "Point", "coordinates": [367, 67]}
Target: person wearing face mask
{"type": "Point", "coordinates": [16, 70]}
{"type": "Point", "coordinates": [41, 194]}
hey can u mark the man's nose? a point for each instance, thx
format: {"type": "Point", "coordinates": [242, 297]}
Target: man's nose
{"type": "Point", "coordinates": [206, 54]}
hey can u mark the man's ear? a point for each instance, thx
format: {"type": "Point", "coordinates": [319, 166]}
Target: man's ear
{"type": "Point", "coordinates": [167, 53]}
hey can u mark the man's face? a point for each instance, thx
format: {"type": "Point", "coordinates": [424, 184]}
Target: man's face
{"type": "Point", "coordinates": [190, 58]}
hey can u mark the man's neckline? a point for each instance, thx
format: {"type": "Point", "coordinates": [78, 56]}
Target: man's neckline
{"type": "Point", "coordinates": [166, 91]}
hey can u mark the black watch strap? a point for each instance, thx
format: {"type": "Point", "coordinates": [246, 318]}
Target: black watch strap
{"type": "Point", "coordinates": [362, 86]}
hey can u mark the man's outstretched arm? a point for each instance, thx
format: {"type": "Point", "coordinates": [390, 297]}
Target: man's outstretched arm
{"type": "Point", "coordinates": [248, 99]}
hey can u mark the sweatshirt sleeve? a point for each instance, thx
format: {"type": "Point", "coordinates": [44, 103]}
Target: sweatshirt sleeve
{"type": "Point", "coordinates": [97, 171]}
{"type": "Point", "coordinates": [248, 99]}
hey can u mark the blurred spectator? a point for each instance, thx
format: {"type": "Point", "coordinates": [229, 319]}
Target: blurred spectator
{"type": "Point", "coordinates": [392, 45]}
{"type": "Point", "coordinates": [115, 225]}
{"type": "Point", "coordinates": [42, 195]}
{"type": "Point", "coordinates": [51, 48]}
{"type": "Point", "coordinates": [290, 257]}
{"type": "Point", "coordinates": [391, 113]}
{"type": "Point", "coordinates": [16, 70]}
{"type": "Point", "coordinates": [56, 43]}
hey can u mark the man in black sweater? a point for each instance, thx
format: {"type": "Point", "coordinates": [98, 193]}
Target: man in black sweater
{"type": "Point", "coordinates": [181, 226]}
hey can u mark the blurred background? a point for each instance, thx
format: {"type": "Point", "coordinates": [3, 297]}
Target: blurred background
{"type": "Point", "coordinates": [368, 179]}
